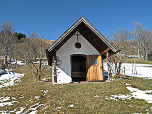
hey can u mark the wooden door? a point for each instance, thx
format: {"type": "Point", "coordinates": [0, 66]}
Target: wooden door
{"type": "Point", "coordinates": [94, 66]}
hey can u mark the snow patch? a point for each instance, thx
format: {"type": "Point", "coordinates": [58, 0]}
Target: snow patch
{"type": "Point", "coordinates": [45, 92]}
{"type": "Point", "coordinates": [21, 110]}
{"type": "Point", "coordinates": [45, 80]}
{"type": "Point", "coordinates": [37, 97]}
{"type": "Point", "coordinates": [71, 105]}
{"type": "Point", "coordinates": [43, 62]}
{"type": "Point", "coordinates": [96, 96]}
{"type": "Point", "coordinates": [33, 108]}
{"type": "Point", "coordinates": [139, 94]}
{"type": "Point", "coordinates": [18, 62]}
{"type": "Point", "coordinates": [2, 71]}
{"type": "Point", "coordinates": [9, 79]}
{"type": "Point", "coordinates": [42, 58]}
{"type": "Point", "coordinates": [143, 70]}
{"type": "Point", "coordinates": [3, 101]}
{"type": "Point", "coordinates": [135, 93]}
{"type": "Point", "coordinates": [7, 103]}
{"type": "Point", "coordinates": [120, 96]}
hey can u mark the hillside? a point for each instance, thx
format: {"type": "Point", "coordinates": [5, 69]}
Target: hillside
{"type": "Point", "coordinates": [45, 40]}
{"type": "Point", "coordinates": [18, 46]}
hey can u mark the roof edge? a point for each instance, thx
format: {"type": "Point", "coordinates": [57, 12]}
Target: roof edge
{"type": "Point", "coordinates": [79, 21]}
{"type": "Point", "coordinates": [65, 34]}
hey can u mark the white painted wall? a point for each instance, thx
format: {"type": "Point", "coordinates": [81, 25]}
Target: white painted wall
{"type": "Point", "coordinates": [64, 72]}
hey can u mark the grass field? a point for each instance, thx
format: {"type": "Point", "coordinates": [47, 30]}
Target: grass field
{"type": "Point", "coordinates": [44, 97]}
{"type": "Point", "coordinates": [128, 60]}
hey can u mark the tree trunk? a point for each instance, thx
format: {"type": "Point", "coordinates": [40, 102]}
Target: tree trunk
{"type": "Point", "coordinates": [139, 51]}
{"type": "Point", "coordinates": [40, 65]}
{"type": "Point", "coordinates": [26, 62]}
{"type": "Point", "coordinates": [10, 56]}
{"type": "Point", "coordinates": [109, 71]}
{"type": "Point", "coordinates": [16, 63]}
{"type": "Point", "coordinates": [5, 60]}
{"type": "Point", "coordinates": [147, 55]}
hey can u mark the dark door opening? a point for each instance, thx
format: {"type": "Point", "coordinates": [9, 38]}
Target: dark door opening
{"type": "Point", "coordinates": [78, 68]}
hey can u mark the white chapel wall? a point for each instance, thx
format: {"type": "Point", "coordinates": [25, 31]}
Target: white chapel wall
{"type": "Point", "coordinates": [64, 70]}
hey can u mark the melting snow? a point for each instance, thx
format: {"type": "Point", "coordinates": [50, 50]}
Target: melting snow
{"type": "Point", "coordinates": [7, 103]}
{"type": "Point", "coordinates": [9, 79]}
{"type": "Point", "coordinates": [130, 105]}
{"type": "Point", "coordinates": [21, 110]}
{"type": "Point", "coordinates": [45, 92]}
{"type": "Point", "coordinates": [45, 80]}
{"type": "Point", "coordinates": [43, 62]}
{"type": "Point", "coordinates": [120, 96]}
{"type": "Point", "coordinates": [3, 101]}
{"type": "Point", "coordinates": [18, 62]}
{"type": "Point", "coordinates": [71, 105]}
{"type": "Point", "coordinates": [96, 96]}
{"type": "Point", "coordinates": [33, 108]}
{"type": "Point", "coordinates": [143, 70]}
{"type": "Point", "coordinates": [135, 93]}
{"type": "Point", "coordinates": [139, 94]}
{"type": "Point", "coordinates": [37, 97]}
{"type": "Point", "coordinates": [2, 71]}
{"type": "Point", "coordinates": [21, 97]}
{"type": "Point", "coordinates": [42, 58]}
{"type": "Point", "coordinates": [59, 107]}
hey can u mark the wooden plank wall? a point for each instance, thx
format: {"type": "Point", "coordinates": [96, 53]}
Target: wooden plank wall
{"type": "Point", "coordinates": [95, 73]}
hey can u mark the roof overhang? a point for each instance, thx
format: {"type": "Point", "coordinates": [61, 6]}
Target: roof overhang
{"type": "Point", "coordinates": [94, 37]}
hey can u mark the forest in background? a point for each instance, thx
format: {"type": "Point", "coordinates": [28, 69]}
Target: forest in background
{"type": "Point", "coordinates": [137, 43]}
{"type": "Point", "coordinates": [17, 46]}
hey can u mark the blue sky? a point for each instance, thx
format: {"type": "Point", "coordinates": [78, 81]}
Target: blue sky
{"type": "Point", "coordinates": [50, 18]}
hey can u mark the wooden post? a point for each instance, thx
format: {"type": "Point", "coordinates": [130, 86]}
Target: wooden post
{"type": "Point", "coordinates": [135, 68]}
{"type": "Point", "coordinates": [124, 70]}
{"type": "Point", "coordinates": [55, 64]}
{"type": "Point", "coordinates": [102, 67]}
{"type": "Point", "coordinates": [132, 66]}
{"type": "Point", "coordinates": [109, 72]}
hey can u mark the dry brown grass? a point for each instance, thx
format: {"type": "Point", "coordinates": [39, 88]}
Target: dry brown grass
{"type": "Point", "coordinates": [128, 60]}
{"type": "Point", "coordinates": [79, 96]}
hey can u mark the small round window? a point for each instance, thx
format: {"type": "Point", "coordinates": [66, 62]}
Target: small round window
{"type": "Point", "coordinates": [77, 45]}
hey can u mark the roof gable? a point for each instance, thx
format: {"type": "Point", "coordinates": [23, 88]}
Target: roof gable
{"type": "Point", "coordinates": [94, 37]}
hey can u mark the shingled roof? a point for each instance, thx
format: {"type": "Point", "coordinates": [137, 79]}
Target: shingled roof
{"type": "Point", "coordinates": [94, 37]}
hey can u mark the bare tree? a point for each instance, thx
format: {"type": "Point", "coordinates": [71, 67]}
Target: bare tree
{"type": "Point", "coordinates": [121, 39]}
{"type": "Point", "coordinates": [33, 50]}
{"type": "Point", "coordinates": [7, 39]}
{"type": "Point", "coordinates": [25, 49]}
{"type": "Point", "coordinates": [144, 40]}
{"type": "Point", "coordinates": [138, 31]}
{"type": "Point", "coordinates": [149, 45]}
{"type": "Point", "coordinates": [137, 43]}
{"type": "Point", "coordinates": [34, 42]}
